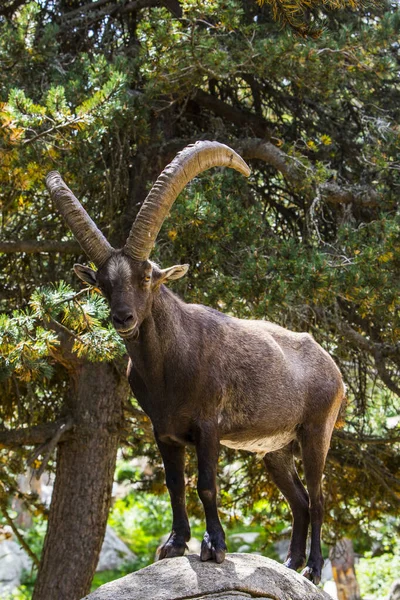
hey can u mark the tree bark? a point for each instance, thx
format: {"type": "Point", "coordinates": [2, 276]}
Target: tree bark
{"type": "Point", "coordinates": [82, 490]}
{"type": "Point", "coordinates": [342, 558]}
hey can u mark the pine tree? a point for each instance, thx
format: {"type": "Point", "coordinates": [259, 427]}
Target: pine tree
{"type": "Point", "coordinates": [311, 241]}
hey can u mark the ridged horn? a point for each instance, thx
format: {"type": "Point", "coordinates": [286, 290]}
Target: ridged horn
{"type": "Point", "coordinates": [92, 241]}
{"type": "Point", "coordinates": [193, 159]}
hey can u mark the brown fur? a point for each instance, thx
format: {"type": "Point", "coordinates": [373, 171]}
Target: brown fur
{"type": "Point", "coordinates": [204, 377]}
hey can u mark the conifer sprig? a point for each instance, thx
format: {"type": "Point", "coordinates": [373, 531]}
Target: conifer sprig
{"type": "Point", "coordinates": [28, 338]}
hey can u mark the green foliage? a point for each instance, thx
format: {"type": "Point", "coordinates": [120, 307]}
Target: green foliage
{"type": "Point", "coordinates": [34, 536]}
{"type": "Point", "coordinates": [108, 107]}
{"type": "Point", "coordinates": [376, 574]}
{"type": "Point", "coordinates": [25, 347]}
{"type": "Point", "coordinates": [141, 519]}
{"type": "Point", "coordinates": [22, 593]}
{"type": "Point", "coordinates": [297, 14]}
{"type": "Point", "coordinates": [37, 345]}
{"type": "Point", "coordinates": [29, 339]}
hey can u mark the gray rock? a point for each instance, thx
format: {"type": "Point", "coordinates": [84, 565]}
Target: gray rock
{"type": "Point", "coordinates": [281, 548]}
{"type": "Point", "coordinates": [330, 589]}
{"type": "Point", "coordinates": [239, 577]}
{"type": "Point", "coordinates": [394, 593]}
{"type": "Point", "coordinates": [13, 562]}
{"type": "Point", "coordinates": [247, 537]}
{"type": "Point", "coordinates": [327, 573]}
{"type": "Point", "coordinates": [114, 552]}
{"type": "Point", "coordinates": [194, 546]}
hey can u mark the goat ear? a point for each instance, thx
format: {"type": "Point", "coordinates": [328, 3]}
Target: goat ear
{"type": "Point", "coordinates": [175, 272]}
{"type": "Point", "coordinates": [87, 274]}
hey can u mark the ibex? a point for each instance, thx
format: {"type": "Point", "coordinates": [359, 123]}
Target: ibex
{"type": "Point", "coordinates": [206, 378]}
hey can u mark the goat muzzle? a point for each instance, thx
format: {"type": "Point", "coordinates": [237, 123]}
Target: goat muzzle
{"type": "Point", "coordinates": [129, 333]}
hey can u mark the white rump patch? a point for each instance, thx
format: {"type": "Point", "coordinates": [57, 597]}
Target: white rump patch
{"type": "Point", "coordinates": [119, 270]}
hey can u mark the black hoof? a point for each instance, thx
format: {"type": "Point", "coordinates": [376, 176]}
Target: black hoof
{"type": "Point", "coordinates": [295, 563]}
{"type": "Point", "coordinates": [174, 546]}
{"type": "Point", "coordinates": [213, 547]}
{"type": "Point", "coordinates": [312, 574]}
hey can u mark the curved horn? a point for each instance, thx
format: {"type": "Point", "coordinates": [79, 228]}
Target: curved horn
{"type": "Point", "coordinates": [92, 241]}
{"type": "Point", "coordinates": [194, 159]}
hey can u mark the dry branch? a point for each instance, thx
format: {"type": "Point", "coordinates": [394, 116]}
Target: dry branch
{"type": "Point", "coordinates": [17, 534]}
{"type": "Point", "coordinates": [261, 149]}
{"type": "Point", "coordinates": [48, 447]}
{"type": "Point", "coordinates": [272, 155]}
{"type": "Point", "coordinates": [102, 8]}
{"type": "Point", "coordinates": [31, 436]}
{"type": "Point", "coordinates": [359, 194]}
{"type": "Point", "coordinates": [294, 172]}
{"type": "Point", "coordinates": [239, 117]}
{"type": "Point", "coordinates": [34, 247]}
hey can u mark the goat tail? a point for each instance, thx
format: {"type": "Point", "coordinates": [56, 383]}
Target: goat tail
{"type": "Point", "coordinates": [340, 419]}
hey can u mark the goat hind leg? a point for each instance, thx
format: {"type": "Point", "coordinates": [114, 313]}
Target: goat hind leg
{"type": "Point", "coordinates": [174, 463]}
{"type": "Point", "coordinates": [207, 447]}
{"type": "Point", "coordinates": [314, 442]}
{"type": "Point", "coordinates": [280, 465]}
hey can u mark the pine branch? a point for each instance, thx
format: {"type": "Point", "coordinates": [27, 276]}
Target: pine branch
{"type": "Point", "coordinates": [359, 194]}
{"type": "Point", "coordinates": [377, 350]}
{"type": "Point", "coordinates": [102, 8]}
{"type": "Point", "coordinates": [66, 123]}
{"type": "Point", "coordinates": [31, 436]}
{"type": "Point", "coordinates": [85, 8]}
{"type": "Point", "coordinates": [358, 440]}
{"type": "Point", "coordinates": [385, 375]}
{"type": "Point", "coordinates": [239, 117]}
{"type": "Point", "coordinates": [261, 149]}
{"type": "Point", "coordinates": [294, 172]}
{"type": "Point", "coordinates": [8, 11]}
{"type": "Point", "coordinates": [34, 247]}
{"type": "Point", "coordinates": [48, 447]}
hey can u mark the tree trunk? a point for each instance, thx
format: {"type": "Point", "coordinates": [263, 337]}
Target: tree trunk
{"type": "Point", "coordinates": [342, 558]}
{"type": "Point", "coordinates": [82, 489]}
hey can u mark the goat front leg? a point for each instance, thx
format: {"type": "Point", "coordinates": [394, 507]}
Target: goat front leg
{"type": "Point", "coordinates": [207, 447]}
{"type": "Point", "coordinates": [174, 464]}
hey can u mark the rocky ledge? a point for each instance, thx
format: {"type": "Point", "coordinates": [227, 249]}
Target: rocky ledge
{"type": "Point", "coordinates": [239, 577]}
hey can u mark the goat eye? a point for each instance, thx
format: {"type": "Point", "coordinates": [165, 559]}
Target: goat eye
{"type": "Point", "coordinates": [147, 279]}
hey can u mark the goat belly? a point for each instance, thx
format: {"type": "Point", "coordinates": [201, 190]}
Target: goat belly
{"type": "Point", "coordinates": [258, 444]}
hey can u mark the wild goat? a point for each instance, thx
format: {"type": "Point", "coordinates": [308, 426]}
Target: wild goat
{"type": "Point", "coordinates": [205, 378]}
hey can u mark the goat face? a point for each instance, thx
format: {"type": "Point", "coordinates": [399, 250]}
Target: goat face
{"type": "Point", "coordinates": [129, 287]}
{"type": "Point", "coordinates": [126, 277]}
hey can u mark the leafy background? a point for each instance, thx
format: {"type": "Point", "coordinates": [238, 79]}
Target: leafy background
{"type": "Point", "coordinates": [311, 241]}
